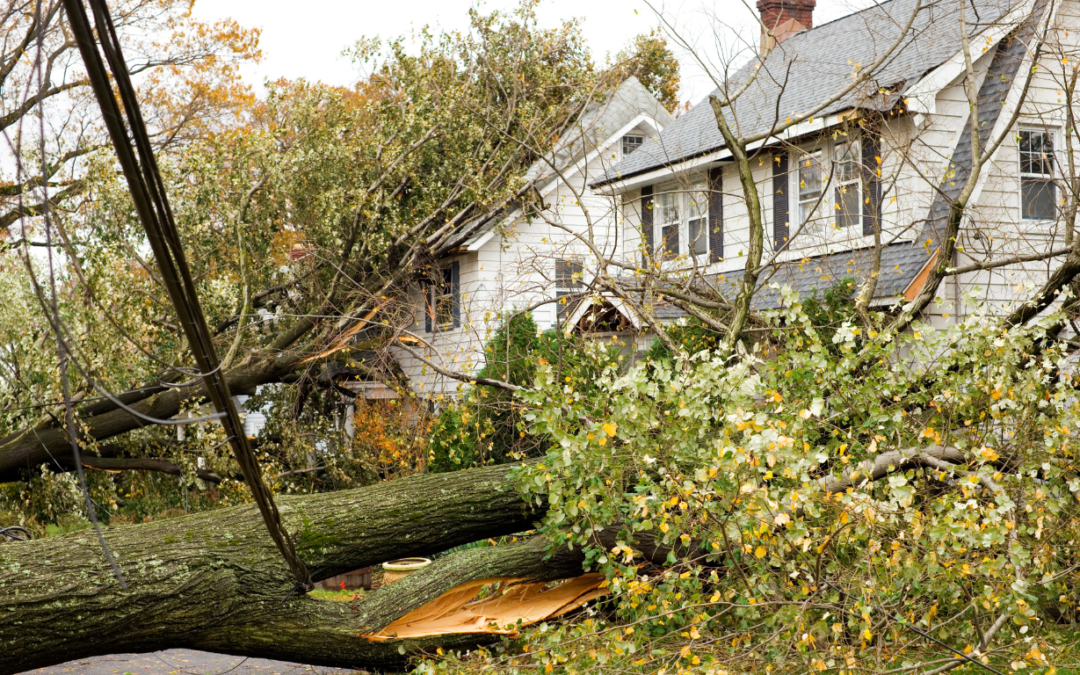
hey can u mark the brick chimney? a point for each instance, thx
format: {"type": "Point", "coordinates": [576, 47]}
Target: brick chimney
{"type": "Point", "coordinates": [784, 18]}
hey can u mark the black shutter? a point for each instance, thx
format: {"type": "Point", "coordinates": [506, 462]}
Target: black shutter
{"type": "Point", "coordinates": [781, 229]}
{"type": "Point", "coordinates": [429, 309]}
{"type": "Point", "coordinates": [455, 289]}
{"type": "Point", "coordinates": [871, 151]}
{"type": "Point", "coordinates": [646, 224]}
{"type": "Point", "coordinates": [716, 214]}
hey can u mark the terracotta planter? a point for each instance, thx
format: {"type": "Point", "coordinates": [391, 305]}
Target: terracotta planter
{"type": "Point", "coordinates": [396, 570]}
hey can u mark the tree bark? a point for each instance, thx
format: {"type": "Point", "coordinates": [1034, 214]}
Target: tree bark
{"type": "Point", "coordinates": [214, 580]}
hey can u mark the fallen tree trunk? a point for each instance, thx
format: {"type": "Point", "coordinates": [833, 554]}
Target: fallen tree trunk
{"type": "Point", "coordinates": [214, 580]}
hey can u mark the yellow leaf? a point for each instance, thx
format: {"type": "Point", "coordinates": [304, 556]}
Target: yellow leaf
{"type": "Point", "coordinates": [843, 517]}
{"type": "Point", "coordinates": [603, 440]}
{"type": "Point", "coordinates": [867, 635]}
{"type": "Point", "coordinates": [684, 651]}
{"type": "Point", "coordinates": [610, 428]}
{"type": "Point", "coordinates": [760, 552]}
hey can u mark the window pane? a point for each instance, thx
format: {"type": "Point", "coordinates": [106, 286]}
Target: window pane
{"type": "Point", "coordinates": [568, 276]}
{"type": "Point", "coordinates": [847, 162]}
{"type": "Point", "coordinates": [809, 177]}
{"type": "Point", "coordinates": [670, 235]}
{"type": "Point", "coordinates": [1036, 152]}
{"type": "Point", "coordinates": [631, 143]}
{"type": "Point", "coordinates": [698, 202]}
{"type": "Point", "coordinates": [699, 239]}
{"type": "Point", "coordinates": [669, 209]}
{"type": "Point", "coordinates": [1037, 196]}
{"type": "Point", "coordinates": [847, 206]}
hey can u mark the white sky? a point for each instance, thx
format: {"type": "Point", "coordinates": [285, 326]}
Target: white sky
{"type": "Point", "coordinates": [306, 40]}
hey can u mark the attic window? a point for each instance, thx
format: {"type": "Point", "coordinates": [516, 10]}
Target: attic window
{"type": "Point", "coordinates": [630, 143]}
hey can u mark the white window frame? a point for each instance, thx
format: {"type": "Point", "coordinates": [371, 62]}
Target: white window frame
{"type": "Point", "coordinates": [622, 143]}
{"type": "Point", "coordinates": [1050, 177]}
{"type": "Point", "coordinates": [687, 206]}
{"type": "Point", "coordinates": [829, 154]}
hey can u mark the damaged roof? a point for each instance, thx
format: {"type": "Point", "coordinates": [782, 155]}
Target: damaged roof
{"type": "Point", "coordinates": [597, 123]}
{"type": "Point", "coordinates": [814, 65]}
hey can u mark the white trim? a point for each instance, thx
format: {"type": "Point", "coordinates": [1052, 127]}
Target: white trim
{"type": "Point", "coordinates": [721, 156]}
{"type": "Point", "coordinates": [484, 238]}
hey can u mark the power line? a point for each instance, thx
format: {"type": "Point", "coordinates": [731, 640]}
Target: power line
{"type": "Point", "coordinates": [151, 203]}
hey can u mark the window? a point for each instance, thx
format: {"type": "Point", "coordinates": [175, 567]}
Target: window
{"type": "Point", "coordinates": [631, 143]}
{"type": "Point", "coordinates": [568, 277]}
{"type": "Point", "coordinates": [811, 183]}
{"type": "Point", "coordinates": [441, 297]}
{"type": "Point", "coordinates": [1037, 194]}
{"type": "Point", "coordinates": [670, 223]}
{"type": "Point", "coordinates": [829, 191]}
{"type": "Point", "coordinates": [698, 221]}
{"type": "Point", "coordinates": [847, 203]}
{"type": "Point", "coordinates": [682, 216]}
{"type": "Point", "coordinates": [567, 282]}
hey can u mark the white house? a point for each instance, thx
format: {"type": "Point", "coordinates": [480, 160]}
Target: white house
{"type": "Point", "coordinates": [528, 257]}
{"type": "Point", "coordinates": [879, 164]}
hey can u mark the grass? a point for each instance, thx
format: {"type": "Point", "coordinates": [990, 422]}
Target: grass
{"type": "Point", "coordinates": [336, 596]}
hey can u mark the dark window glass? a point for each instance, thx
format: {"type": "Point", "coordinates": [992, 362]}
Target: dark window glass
{"type": "Point", "coordinates": [568, 277]}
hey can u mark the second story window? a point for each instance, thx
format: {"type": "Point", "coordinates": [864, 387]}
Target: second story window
{"type": "Point", "coordinates": [847, 181]}
{"type": "Point", "coordinates": [681, 222]}
{"type": "Point", "coordinates": [829, 187]}
{"type": "Point", "coordinates": [631, 142]}
{"type": "Point", "coordinates": [811, 182]}
{"type": "Point", "coordinates": [1037, 194]}
{"type": "Point", "coordinates": [670, 224]}
{"type": "Point", "coordinates": [697, 215]}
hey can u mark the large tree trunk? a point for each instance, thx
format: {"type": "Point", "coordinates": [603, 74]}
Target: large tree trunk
{"type": "Point", "coordinates": [214, 580]}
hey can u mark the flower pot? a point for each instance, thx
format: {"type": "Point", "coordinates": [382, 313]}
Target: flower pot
{"type": "Point", "coordinates": [396, 570]}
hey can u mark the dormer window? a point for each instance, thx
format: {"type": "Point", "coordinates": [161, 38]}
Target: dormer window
{"type": "Point", "coordinates": [631, 142]}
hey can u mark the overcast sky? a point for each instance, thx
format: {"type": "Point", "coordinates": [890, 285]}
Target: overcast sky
{"type": "Point", "coordinates": [305, 39]}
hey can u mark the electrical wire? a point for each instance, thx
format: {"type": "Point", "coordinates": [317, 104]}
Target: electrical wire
{"type": "Point", "coordinates": [151, 203]}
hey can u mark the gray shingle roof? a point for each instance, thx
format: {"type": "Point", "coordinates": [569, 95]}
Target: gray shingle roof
{"type": "Point", "coordinates": [900, 264]}
{"type": "Point", "coordinates": [816, 64]}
